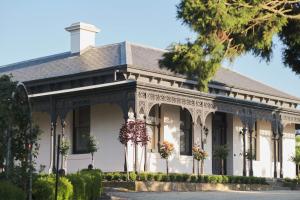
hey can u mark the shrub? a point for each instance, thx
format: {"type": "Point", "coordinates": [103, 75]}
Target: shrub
{"type": "Point", "coordinates": [185, 177]}
{"type": "Point", "coordinates": [93, 186]}
{"type": "Point", "coordinates": [8, 191]}
{"type": "Point", "coordinates": [205, 179]}
{"type": "Point", "coordinates": [116, 176]}
{"type": "Point", "coordinates": [132, 176]}
{"type": "Point", "coordinates": [225, 179]}
{"type": "Point", "coordinates": [44, 188]}
{"type": "Point", "coordinates": [157, 177]}
{"type": "Point", "coordinates": [78, 183]}
{"type": "Point", "coordinates": [193, 178]}
{"type": "Point", "coordinates": [178, 177]}
{"type": "Point", "coordinates": [164, 178]}
{"type": "Point", "coordinates": [230, 179]}
{"type": "Point", "coordinates": [172, 177]}
{"type": "Point", "coordinates": [143, 176]}
{"type": "Point", "coordinates": [244, 179]}
{"type": "Point", "coordinates": [150, 177]}
{"type": "Point", "coordinates": [109, 176]}
{"type": "Point", "coordinates": [123, 177]}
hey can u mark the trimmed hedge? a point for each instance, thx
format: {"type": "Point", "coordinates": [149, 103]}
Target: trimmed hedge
{"type": "Point", "coordinates": [9, 191]}
{"type": "Point", "coordinates": [176, 177]}
{"type": "Point", "coordinates": [288, 182]}
{"type": "Point", "coordinates": [84, 185]}
{"type": "Point", "coordinates": [44, 188]}
{"type": "Point", "coordinates": [87, 184]}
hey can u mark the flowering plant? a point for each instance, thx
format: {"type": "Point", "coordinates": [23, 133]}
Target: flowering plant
{"type": "Point", "coordinates": [166, 149]}
{"type": "Point", "coordinates": [198, 153]}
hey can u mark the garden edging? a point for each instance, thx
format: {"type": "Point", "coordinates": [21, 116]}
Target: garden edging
{"type": "Point", "coordinates": [157, 186]}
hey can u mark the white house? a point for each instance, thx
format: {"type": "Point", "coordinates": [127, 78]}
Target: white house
{"type": "Point", "coordinates": [93, 90]}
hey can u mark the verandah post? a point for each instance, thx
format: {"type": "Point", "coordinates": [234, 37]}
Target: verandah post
{"type": "Point", "coordinates": [251, 153]}
{"type": "Point", "coordinates": [244, 151]}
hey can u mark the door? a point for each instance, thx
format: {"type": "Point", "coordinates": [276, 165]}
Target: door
{"type": "Point", "coordinates": [218, 138]}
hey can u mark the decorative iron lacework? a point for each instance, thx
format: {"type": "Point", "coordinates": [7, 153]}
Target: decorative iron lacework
{"type": "Point", "coordinates": [200, 108]}
{"type": "Point", "coordinates": [141, 100]}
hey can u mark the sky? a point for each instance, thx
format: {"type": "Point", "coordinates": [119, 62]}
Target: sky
{"type": "Point", "coordinates": [35, 28]}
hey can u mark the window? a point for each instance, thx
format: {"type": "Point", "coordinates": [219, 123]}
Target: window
{"type": "Point", "coordinates": [153, 126]}
{"type": "Point", "coordinates": [185, 132]}
{"type": "Point", "coordinates": [81, 129]}
{"type": "Point", "coordinates": [254, 142]}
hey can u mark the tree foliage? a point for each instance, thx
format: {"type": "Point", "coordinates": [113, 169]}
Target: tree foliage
{"type": "Point", "coordinates": [134, 131]}
{"type": "Point", "coordinates": [227, 29]}
{"type": "Point", "coordinates": [18, 136]}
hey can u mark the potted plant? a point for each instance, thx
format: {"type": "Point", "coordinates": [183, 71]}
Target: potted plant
{"type": "Point", "coordinates": [199, 155]}
{"type": "Point", "coordinates": [64, 151]}
{"type": "Point", "coordinates": [221, 152]}
{"type": "Point", "coordinates": [165, 151]}
{"type": "Point", "coordinates": [92, 148]}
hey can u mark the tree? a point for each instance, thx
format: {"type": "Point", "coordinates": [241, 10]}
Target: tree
{"type": "Point", "coordinates": [296, 157]}
{"type": "Point", "coordinates": [199, 155]}
{"type": "Point", "coordinates": [227, 29]}
{"type": "Point", "coordinates": [19, 136]}
{"type": "Point", "coordinates": [64, 151]}
{"type": "Point", "coordinates": [125, 136]}
{"type": "Point", "coordinates": [165, 151]}
{"type": "Point", "coordinates": [92, 148]}
{"type": "Point", "coordinates": [134, 131]}
{"type": "Point", "coordinates": [221, 152]}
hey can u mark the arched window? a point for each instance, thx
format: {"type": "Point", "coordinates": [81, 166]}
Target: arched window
{"type": "Point", "coordinates": [185, 132]}
{"type": "Point", "coordinates": [254, 142]}
{"type": "Point", "coordinates": [153, 128]}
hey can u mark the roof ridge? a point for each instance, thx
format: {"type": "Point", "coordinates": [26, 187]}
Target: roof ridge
{"type": "Point", "coordinates": [12, 66]}
{"type": "Point", "coordinates": [253, 79]}
{"type": "Point", "coordinates": [35, 59]}
{"type": "Point", "coordinates": [147, 46]}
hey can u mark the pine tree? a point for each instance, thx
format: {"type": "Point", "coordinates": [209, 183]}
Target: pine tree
{"type": "Point", "coordinates": [227, 29]}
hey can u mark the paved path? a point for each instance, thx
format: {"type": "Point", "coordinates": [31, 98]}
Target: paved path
{"type": "Point", "coordinates": [233, 195]}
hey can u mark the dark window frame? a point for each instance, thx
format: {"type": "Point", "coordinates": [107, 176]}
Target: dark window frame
{"type": "Point", "coordinates": [155, 113]}
{"type": "Point", "coordinates": [254, 141]}
{"type": "Point", "coordinates": [75, 128]}
{"type": "Point", "coordinates": [188, 132]}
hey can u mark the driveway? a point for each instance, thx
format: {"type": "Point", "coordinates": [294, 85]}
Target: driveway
{"type": "Point", "coordinates": [232, 195]}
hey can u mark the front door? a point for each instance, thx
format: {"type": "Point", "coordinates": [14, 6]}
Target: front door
{"type": "Point", "coordinates": [218, 138]}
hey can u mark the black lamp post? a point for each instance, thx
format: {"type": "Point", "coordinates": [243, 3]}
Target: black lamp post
{"type": "Point", "coordinates": [204, 130]}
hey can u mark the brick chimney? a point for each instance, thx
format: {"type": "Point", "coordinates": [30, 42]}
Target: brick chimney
{"type": "Point", "coordinates": [82, 36]}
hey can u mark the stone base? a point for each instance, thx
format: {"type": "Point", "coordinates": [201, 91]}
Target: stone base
{"type": "Point", "coordinates": [153, 186]}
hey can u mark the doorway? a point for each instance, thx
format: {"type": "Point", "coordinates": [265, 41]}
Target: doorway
{"type": "Point", "coordinates": [218, 138]}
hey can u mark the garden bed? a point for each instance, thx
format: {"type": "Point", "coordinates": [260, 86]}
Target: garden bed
{"type": "Point", "coordinates": [156, 186]}
{"type": "Point", "coordinates": [159, 182]}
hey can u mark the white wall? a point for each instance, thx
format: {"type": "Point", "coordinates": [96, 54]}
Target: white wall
{"type": "Point", "coordinates": [289, 168]}
{"type": "Point", "coordinates": [237, 141]}
{"type": "Point", "coordinates": [43, 121]}
{"type": "Point", "coordinates": [106, 120]}
{"type": "Point", "coordinates": [263, 166]}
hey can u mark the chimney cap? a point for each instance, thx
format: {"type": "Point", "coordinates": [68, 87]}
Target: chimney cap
{"type": "Point", "coordinates": [81, 25]}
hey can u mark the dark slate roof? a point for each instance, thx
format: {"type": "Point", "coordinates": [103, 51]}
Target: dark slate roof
{"type": "Point", "coordinates": [134, 55]}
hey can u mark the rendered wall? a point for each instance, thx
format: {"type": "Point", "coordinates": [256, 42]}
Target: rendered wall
{"type": "Point", "coordinates": [106, 120]}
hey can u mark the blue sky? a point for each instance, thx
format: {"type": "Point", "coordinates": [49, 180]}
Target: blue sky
{"type": "Point", "coordinates": [34, 28]}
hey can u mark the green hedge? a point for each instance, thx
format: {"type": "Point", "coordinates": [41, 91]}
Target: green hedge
{"type": "Point", "coordinates": [84, 185]}
{"type": "Point", "coordinates": [44, 188]}
{"type": "Point", "coordinates": [8, 191]}
{"type": "Point", "coordinates": [288, 182]}
{"type": "Point", "coordinates": [176, 177]}
{"type": "Point", "coordinates": [93, 183]}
